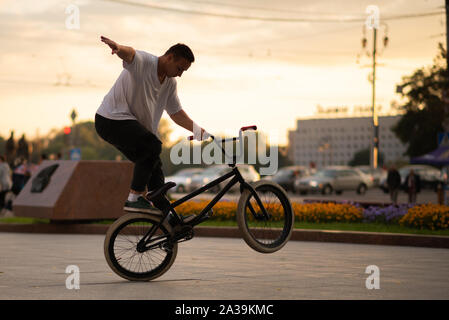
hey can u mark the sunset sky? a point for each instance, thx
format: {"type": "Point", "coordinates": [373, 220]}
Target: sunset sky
{"type": "Point", "coordinates": [257, 62]}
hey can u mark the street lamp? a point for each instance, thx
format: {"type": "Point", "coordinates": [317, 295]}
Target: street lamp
{"type": "Point", "coordinates": [373, 54]}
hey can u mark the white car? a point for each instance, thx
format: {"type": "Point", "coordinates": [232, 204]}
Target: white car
{"type": "Point", "coordinates": [335, 178]}
{"type": "Point", "coordinates": [375, 175]}
{"type": "Point", "coordinates": [213, 172]}
{"type": "Point", "coordinates": [367, 178]}
{"type": "Point", "coordinates": [183, 178]}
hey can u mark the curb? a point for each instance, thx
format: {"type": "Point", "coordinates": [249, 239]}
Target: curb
{"type": "Point", "coordinates": [354, 237]}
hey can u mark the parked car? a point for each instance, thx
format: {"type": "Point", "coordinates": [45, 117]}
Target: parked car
{"type": "Point", "coordinates": [213, 172]}
{"type": "Point", "coordinates": [375, 175]}
{"type": "Point", "coordinates": [286, 176]}
{"type": "Point", "coordinates": [430, 177]}
{"type": "Point", "coordinates": [337, 178]}
{"type": "Point", "coordinates": [183, 178]}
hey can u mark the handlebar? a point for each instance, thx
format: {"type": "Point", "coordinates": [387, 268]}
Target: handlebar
{"type": "Point", "coordinates": [232, 159]}
{"type": "Point", "coordinates": [190, 138]}
{"type": "Point", "coordinates": [248, 128]}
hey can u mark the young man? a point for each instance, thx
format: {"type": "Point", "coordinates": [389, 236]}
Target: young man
{"type": "Point", "coordinates": [129, 115]}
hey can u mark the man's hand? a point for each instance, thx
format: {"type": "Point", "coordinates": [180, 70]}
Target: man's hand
{"type": "Point", "coordinates": [111, 44]}
{"type": "Point", "coordinates": [182, 119]}
{"type": "Point", "coordinates": [200, 135]}
{"type": "Point", "coordinates": [124, 52]}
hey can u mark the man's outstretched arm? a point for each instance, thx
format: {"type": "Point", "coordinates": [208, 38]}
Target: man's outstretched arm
{"type": "Point", "coordinates": [124, 52]}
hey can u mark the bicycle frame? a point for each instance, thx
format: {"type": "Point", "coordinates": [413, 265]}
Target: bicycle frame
{"type": "Point", "coordinates": [236, 178]}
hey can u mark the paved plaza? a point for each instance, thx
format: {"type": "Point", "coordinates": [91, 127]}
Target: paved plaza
{"type": "Point", "coordinates": [33, 266]}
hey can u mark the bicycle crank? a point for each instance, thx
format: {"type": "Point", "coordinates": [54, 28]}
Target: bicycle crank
{"type": "Point", "coordinates": [182, 233]}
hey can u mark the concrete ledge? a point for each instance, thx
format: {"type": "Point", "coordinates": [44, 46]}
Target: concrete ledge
{"type": "Point", "coordinates": [233, 232]}
{"type": "Point", "coordinates": [377, 238]}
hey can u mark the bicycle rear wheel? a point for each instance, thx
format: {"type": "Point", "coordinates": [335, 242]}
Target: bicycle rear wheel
{"type": "Point", "coordinates": [269, 233]}
{"type": "Point", "coordinates": [120, 248]}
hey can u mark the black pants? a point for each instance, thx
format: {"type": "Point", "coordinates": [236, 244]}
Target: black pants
{"type": "Point", "coordinates": [139, 145]}
{"type": "Point", "coordinates": [2, 199]}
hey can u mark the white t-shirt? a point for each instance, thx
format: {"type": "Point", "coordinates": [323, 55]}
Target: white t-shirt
{"type": "Point", "coordinates": [138, 95]}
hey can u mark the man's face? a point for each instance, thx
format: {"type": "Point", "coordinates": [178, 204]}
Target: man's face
{"type": "Point", "coordinates": [175, 67]}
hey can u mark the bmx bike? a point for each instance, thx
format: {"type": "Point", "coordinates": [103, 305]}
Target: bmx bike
{"type": "Point", "coordinates": [143, 246]}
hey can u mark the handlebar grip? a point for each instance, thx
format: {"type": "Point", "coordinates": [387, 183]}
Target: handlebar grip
{"type": "Point", "coordinates": [248, 128]}
{"type": "Point", "coordinates": [190, 138]}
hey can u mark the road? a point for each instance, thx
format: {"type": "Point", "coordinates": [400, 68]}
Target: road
{"type": "Point", "coordinates": [33, 266]}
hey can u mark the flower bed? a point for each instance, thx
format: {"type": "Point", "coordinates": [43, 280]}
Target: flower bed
{"type": "Point", "coordinates": [327, 212]}
{"type": "Point", "coordinates": [389, 214]}
{"type": "Point", "coordinates": [428, 216]}
{"type": "Point", "coordinates": [222, 210]}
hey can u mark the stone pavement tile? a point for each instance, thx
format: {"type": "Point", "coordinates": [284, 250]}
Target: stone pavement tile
{"type": "Point", "coordinates": [33, 266]}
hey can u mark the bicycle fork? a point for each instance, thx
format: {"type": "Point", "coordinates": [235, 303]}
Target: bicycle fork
{"type": "Point", "coordinates": [264, 215]}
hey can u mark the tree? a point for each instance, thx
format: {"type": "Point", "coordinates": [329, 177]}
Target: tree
{"type": "Point", "coordinates": [424, 109]}
{"type": "Point", "coordinates": [91, 145]}
{"type": "Point", "coordinates": [2, 145]}
{"type": "Point", "coordinates": [362, 158]}
{"type": "Point", "coordinates": [164, 131]}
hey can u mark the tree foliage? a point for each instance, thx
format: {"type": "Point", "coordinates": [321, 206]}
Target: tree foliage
{"type": "Point", "coordinates": [424, 108]}
{"type": "Point", "coordinates": [362, 158]}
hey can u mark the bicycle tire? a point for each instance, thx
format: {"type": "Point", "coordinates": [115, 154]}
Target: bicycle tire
{"type": "Point", "coordinates": [111, 251]}
{"type": "Point", "coordinates": [280, 224]}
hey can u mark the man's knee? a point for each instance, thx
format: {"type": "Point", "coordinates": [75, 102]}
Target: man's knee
{"type": "Point", "coordinates": [152, 144]}
{"type": "Point", "coordinates": [149, 149]}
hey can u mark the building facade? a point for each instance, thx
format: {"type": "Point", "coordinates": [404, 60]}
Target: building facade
{"type": "Point", "coordinates": [335, 141]}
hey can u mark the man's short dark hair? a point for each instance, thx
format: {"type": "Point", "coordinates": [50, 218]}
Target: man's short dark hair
{"type": "Point", "coordinates": [181, 51]}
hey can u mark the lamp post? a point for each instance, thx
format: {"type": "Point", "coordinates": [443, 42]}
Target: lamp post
{"type": "Point", "coordinates": [446, 91]}
{"type": "Point", "coordinates": [73, 116]}
{"type": "Point", "coordinates": [374, 53]}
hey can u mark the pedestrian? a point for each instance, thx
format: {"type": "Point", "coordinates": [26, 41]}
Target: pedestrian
{"type": "Point", "coordinates": [42, 158]}
{"type": "Point", "coordinates": [412, 186]}
{"type": "Point", "coordinates": [393, 183]}
{"type": "Point", "coordinates": [5, 180]}
{"type": "Point", "coordinates": [128, 118]}
{"type": "Point", "coordinates": [11, 150]}
{"type": "Point", "coordinates": [21, 174]}
{"type": "Point", "coordinates": [23, 148]}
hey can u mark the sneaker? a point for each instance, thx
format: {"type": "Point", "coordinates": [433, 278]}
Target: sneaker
{"type": "Point", "coordinates": [141, 205]}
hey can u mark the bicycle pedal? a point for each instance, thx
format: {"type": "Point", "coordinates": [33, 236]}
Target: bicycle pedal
{"type": "Point", "coordinates": [189, 218]}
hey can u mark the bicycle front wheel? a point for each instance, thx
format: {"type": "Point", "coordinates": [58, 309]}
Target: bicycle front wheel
{"type": "Point", "coordinates": [120, 248]}
{"type": "Point", "coordinates": [268, 232]}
